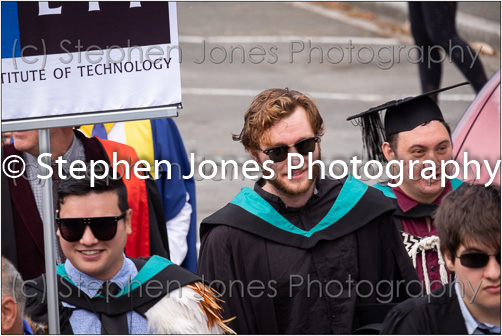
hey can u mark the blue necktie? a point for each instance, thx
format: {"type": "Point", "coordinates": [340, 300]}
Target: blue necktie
{"type": "Point", "coordinates": [486, 331]}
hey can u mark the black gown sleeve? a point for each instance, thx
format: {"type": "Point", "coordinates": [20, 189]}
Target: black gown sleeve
{"type": "Point", "coordinates": [216, 262]}
{"type": "Point", "coordinates": [229, 260]}
{"type": "Point", "coordinates": [402, 320]}
{"type": "Point", "coordinates": [383, 261]}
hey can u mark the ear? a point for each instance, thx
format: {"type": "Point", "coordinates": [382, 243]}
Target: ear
{"type": "Point", "coordinates": [128, 221]}
{"type": "Point", "coordinates": [448, 261]}
{"type": "Point", "coordinates": [388, 152]}
{"type": "Point", "coordinates": [9, 314]}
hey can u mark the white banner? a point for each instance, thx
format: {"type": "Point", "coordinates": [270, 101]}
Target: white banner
{"type": "Point", "coordinates": [75, 58]}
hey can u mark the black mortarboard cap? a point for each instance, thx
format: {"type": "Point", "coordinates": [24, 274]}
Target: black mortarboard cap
{"type": "Point", "coordinates": [402, 115]}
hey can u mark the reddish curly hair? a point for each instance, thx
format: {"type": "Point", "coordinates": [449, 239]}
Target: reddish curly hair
{"type": "Point", "coordinates": [271, 106]}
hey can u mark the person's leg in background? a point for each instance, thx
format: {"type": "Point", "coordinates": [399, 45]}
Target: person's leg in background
{"type": "Point", "coordinates": [433, 24]}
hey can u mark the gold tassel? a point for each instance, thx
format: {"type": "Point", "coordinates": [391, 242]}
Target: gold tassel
{"type": "Point", "coordinates": [210, 306]}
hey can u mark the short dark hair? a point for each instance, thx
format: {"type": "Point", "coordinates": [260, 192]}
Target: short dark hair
{"type": "Point", "coordinates": [80, 187]}
{"type": "Point", "coordinates": [470, 214]}
{"type": "Point", "coordinates": [392, 139]}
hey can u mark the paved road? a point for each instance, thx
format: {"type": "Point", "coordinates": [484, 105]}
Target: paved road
{"type": "Point", "coordinates": [217, 91]}
{"type": "Point", "coordinates": [485, 9]}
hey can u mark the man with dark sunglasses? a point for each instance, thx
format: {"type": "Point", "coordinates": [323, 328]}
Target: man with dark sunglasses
{"type": "Point", "coordinates": [101, 291]}
{"type": "Point", "coordinates": [300, 255]}
{"type": "Point", "coordinates": [22, 227]}
{"type": "Point", "coordinates": [468, 222]}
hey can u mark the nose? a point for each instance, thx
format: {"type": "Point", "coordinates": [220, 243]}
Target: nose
{"type": "Point", "coordinates": [292, 149]}
{"type": "Point", "coordinates": [431, 156]}
{"type": "Point", "coordinates": [492, 270]}
{"type": "Point", "coordinates": [295, 160]}
{"type": "Point", "coordinates": [88, 237]}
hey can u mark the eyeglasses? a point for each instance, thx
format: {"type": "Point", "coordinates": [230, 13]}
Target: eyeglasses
{"type": "Point", "coordinates": [280, 153]}
{"type": "Point", "coordinates": [103, 228]}
{"type": "Point", "coordinates": [477, 260]}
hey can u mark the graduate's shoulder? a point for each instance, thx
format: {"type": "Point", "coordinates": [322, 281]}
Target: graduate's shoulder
{"type": "Point", "coordinates": [376, 194]}
{"type": "Point", "coordinates": [223, 235]}
{"type": "Point", "coordinates": [223, 215]}
{"type": "Point", "coordinates": [430, 314]}
{"type": "Point", "coordinates": [160, 268]}
{"type": "Point", "coordinates": [368, 195]}
{"type": "Point", "coordinates": [412, 305]}
{"type": "Point", "coordinates": [224, 222]}
{"type": "Point", "coordinates": [352, 184]}
{"type": "Point", "coordinates": [407, 317]}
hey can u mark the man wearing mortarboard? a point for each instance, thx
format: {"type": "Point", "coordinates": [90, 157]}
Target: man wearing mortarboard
{"type": "Point", "coordinates": [414, 130]}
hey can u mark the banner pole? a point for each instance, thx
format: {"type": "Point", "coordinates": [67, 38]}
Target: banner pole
{"type": "Point", "coordinates": [49, 237]}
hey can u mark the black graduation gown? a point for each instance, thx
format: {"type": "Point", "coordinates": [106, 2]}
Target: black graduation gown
{"type": "Point", "coordinates": [255, 257]}
{"type": "Point", "coordinates": [162, 275]}
{"type": "Point", "coordinates": [436, 314]}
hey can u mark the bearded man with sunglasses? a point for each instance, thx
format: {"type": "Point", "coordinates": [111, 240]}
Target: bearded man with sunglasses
{"type": "Point", "coordinates": [298, 255]}
{"type": "Point", "coordinates": [468, 221]}
{"type": "Point", "coordinates": [100, 290]}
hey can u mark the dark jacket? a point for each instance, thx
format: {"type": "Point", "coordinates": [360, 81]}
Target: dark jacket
{"type": "Point", "coordinates": [435, 314]}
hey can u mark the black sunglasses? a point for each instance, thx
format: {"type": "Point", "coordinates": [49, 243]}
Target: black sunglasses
{"type": "Point", "coordinates": [103, 228]}
{"type": "Point", "coordinates": [280, 153]}
{"type": "Point", "coordinates": [477, 259]}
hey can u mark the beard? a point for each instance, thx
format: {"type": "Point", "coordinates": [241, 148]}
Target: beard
{"type": "Point", "coordinates": [288, 188]}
